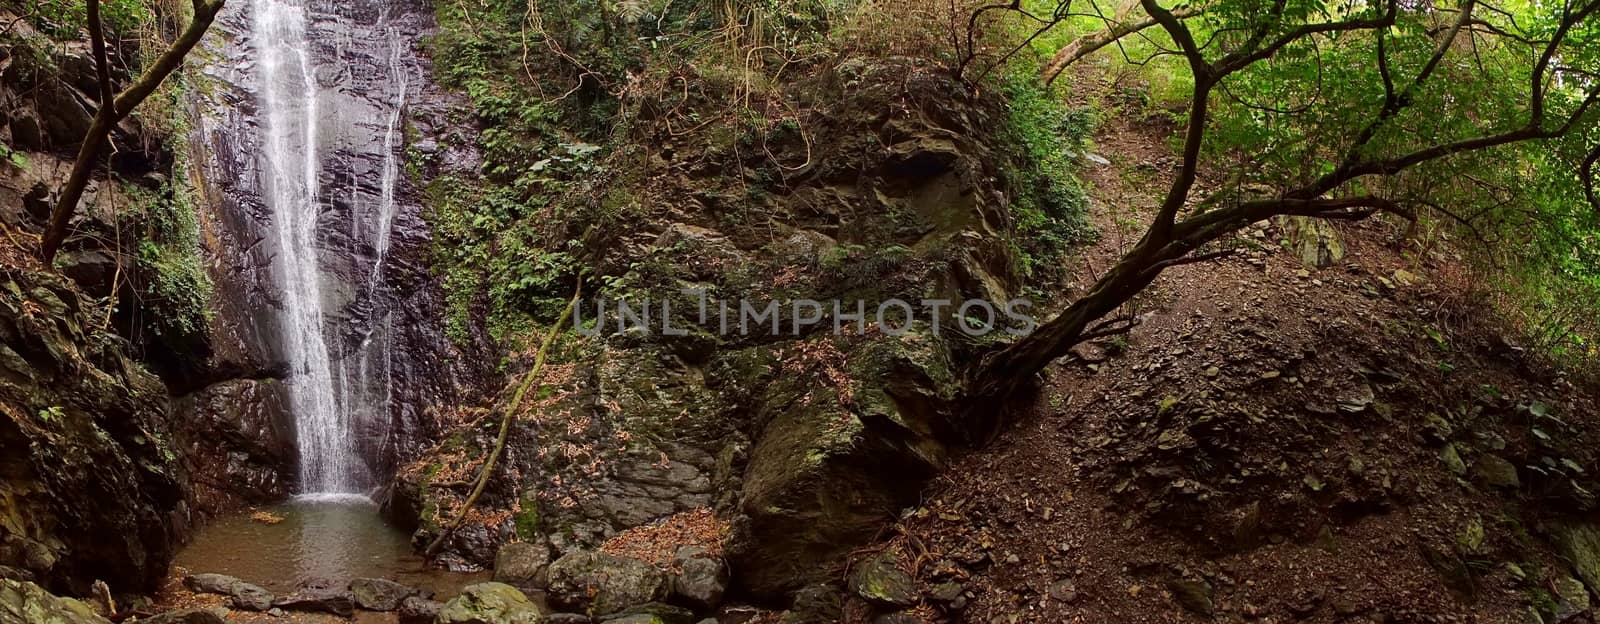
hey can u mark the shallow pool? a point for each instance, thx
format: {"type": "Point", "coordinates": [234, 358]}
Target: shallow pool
{"type": "Point", "coordinates": [335, 538]}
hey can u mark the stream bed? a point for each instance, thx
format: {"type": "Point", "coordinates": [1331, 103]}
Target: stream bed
{"type": "Point", "coordinates": [325, 538]}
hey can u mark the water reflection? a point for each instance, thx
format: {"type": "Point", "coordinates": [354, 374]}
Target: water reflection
{"type": "Point", "coordinates": [322, 537]}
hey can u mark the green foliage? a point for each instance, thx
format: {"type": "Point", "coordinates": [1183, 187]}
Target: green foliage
{"type": "Point", "coordinates": [176, 290]}
{"type": "Point", "coordinates": [66, 20]}
{"type": "Point", "coordinates": [51, 414]}
{"type": "Point", "coordinates": [1048, 203]}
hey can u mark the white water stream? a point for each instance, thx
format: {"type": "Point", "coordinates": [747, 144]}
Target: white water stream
{"type": "Point", "coordinates": [335, 396]}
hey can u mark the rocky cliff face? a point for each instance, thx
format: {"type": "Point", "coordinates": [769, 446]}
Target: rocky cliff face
{"type": "Point", "coordinates": [92, 485]}
{"type": "Point", "coordinates": [390, 356]}
{"type": "Point", "coordinates": [809, 437]}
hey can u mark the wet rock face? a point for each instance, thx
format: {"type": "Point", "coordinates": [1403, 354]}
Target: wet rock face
{"type": "Point", "coordinates": [238, 416]}
{"type": "Point", "coordinates": [90, 481]}
{"type": "Point", "coordinates": [381, 327]}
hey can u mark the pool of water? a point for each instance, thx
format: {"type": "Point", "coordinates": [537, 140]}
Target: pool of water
{"type": "Point", "coordinates": [334, 538]}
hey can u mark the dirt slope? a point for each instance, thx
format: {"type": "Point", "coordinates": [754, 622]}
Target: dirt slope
{"type": "Point", "coordinates": [1273, 443]}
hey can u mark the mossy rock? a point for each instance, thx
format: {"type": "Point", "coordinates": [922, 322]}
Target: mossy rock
{"type": "Point", "coordinates": [1580, 545]}
{"type": "Point", "coordinates": [882, 582]}
{"type": "Point", "coordinates": [26, 602]}
{"type": "Point", "coordinates": [490, 603]}
{"type": "Point", "coordinates": [832, 463]}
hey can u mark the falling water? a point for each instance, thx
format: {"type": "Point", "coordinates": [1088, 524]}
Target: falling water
{"type": "Point", "coordinates": [291, 188]}
{"type": "Point", "coordinates": [338, 392]}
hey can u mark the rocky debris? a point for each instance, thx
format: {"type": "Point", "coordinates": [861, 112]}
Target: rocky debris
{"type": "Point", "coordinates": [701, 580]}
{"type": "Point", "coordinates": [379, 594]}
{"type": "Point", "coordinates": [882, 582]}
{"type": "Point", "coordinates": [25, 602]}
{"type": "Point", "coordinates": [522, 564]}
{"type": "Point", "coordinates": [1192, 595]}
{"type": "Point", "coordinates": [1494, 471]}
{"type": "Point", "coordinates": [189, 616]}
{"type": "Point", "coordinates": [490, 603]}
{"type": "Point", "coordinates": [603, 584]}
{"type": "Point", "coordinates": [898, 618]}
{"type": "Point", "coordinates": [419, 610]}
{"type": "Point", "coordinates": [244, 595]}
{"type": "Point", "coordinates": [567, 618]}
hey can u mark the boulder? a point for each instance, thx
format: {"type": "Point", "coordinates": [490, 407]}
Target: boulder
{"type": "Point", "coordinates": [245, 596]}
{"type": "Point", "coordinates": [1580, 544]}
{"type": "Point", "coordinates": [567, 618]}
{"type": "Point", "coordinates": [419, 610]}
{"type": "Point", "coordinates": [603, 584]}
{"type": "Point", "coordinates": [188, 616]}
{"type": "Point", "coordinates": [1571, 598]}
{"type": "Point", "coordinates": [211, 583]}
{"type": "Point", "coordinates": [1313, 241]}
{"type": "Point", "coordinates": [880, 581]}
{"type": "Point", "coordinates": [25, 602]}
{"type": "Point", "coordinates": [490, 603]}
{"type": "Point", "coordinates": [701, 581]}
{"type": "Point", "coordinates": [340, 604]}
{"type": "Point", "coordinates": [522, 564]}
{"type": "Point", "coordinates": [379, 594]}
{"type": "Point", "coordinates": [816, 604]}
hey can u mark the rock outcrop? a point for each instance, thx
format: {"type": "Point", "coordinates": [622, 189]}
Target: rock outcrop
{"type": "Point", "coordinates": [93, 487]}
{"type": "Point", "coordinates": [26, 603]}
{"type": "Point", "coordinates": [807, 435]}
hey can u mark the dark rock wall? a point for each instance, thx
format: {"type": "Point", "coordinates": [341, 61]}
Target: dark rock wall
{"type": "Point", "coordinates": [92, 484]}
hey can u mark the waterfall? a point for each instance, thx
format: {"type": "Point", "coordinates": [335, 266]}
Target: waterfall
{"type": "Point", "coordinates": [339, 387]}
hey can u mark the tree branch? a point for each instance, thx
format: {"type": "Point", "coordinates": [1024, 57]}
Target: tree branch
{"type": "Point", "coordinates": [112, 111]}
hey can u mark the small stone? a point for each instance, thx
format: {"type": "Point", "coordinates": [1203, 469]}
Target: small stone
{"type": "Point", "coordinates": [880, 581]}
{"type": "Point", "coordinates": [1496, 472]}
{"type": "Point", "coordinates": [1065, 591]}
{"type": "Point", "coordinates": [1452, 460]}
{"type": "Point", "coordinates": [1192, 595]}
{"type": "Point", "coordinates": [1213, 371]}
